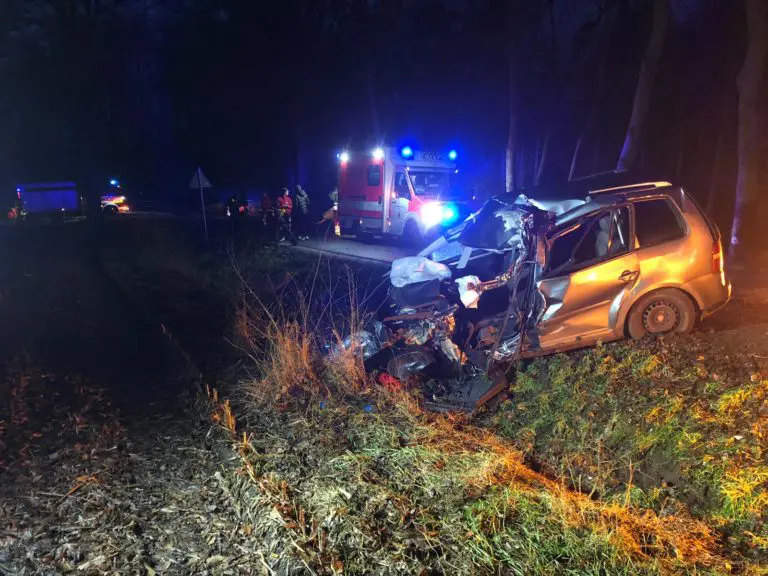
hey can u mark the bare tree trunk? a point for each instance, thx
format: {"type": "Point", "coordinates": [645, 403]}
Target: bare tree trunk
{"type": "Point", "coordinates": [599, 84]}
{"type": "Point", "coordinates": [713, 181]}
{"type": "Point", "coordinates": [680, 150]}
{"type": "Point", "coordinates": [648, 69]}
{"type": "Point", "coordinates": [575, 158]}
{"type": "Point", "coordinates": [509, 183]}
{"type": "Point", "coordinates": [745, 225]}
{"type": "Point", "coordinates": [542, 160]}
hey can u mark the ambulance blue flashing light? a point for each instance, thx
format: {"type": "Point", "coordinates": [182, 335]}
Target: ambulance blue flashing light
{"type": "Point", "coordinates": [114, 182]}
{"type": "Point", "coordinates": [452, 155]}
{"type": "Point", "coordinates": [434, 213]}
{"type": "Point", "coordinates": [406, 152]}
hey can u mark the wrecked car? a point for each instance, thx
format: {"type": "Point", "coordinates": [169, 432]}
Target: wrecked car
{"type": "Point", "coordinates": [524, 277]}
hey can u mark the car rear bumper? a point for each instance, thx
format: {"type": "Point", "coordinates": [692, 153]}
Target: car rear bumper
{"type": "Point", "coordinates": [712, 292]}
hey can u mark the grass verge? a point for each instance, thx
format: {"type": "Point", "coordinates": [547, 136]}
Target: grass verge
{"type": "Point", "coordinates": [367, 482]}
{"type": "Point", "coordinates": [666, 426]}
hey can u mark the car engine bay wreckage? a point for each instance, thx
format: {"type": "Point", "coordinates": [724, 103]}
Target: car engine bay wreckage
{"type": "Point", "coordinates": [464, 309]}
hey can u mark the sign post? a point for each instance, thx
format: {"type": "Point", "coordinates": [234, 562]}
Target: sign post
{"type": "Point", "coordinates": [201, 182]}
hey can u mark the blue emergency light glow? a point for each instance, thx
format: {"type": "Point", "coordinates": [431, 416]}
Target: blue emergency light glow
{"type": "Point", "coordinates": [406, 152]}
{"type": "Point", "coordinates": [113, 182]}
{"type": "Point", "coordinates": [452, 155]}
{"type": "Point", "coordinates": [435, 213]}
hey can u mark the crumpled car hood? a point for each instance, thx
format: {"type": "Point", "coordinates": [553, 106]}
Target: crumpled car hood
{"type": "Point", "coordinates": [499, 226]}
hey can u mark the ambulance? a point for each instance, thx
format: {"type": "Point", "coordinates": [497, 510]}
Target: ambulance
{"type": "Point", "coordinates": [402, 193]}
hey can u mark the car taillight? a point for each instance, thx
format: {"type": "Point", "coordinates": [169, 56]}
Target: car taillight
{"type": "Point", "coordinates": [717, 257]}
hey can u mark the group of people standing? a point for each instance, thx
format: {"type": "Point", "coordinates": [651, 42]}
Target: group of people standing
{"type": "Point", "coordinates": [293, 221]}
{"type": "Point", "coordinates": [285, 218]}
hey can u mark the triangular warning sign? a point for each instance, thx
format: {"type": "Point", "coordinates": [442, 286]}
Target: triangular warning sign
{"type": "Point", "coordinates": [199, 180]}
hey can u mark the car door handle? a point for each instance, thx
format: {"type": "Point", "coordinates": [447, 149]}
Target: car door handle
{"type": "Point", "coordinates": [628, 276]}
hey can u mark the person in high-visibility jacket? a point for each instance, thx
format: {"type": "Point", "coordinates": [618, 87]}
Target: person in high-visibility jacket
{"type": "Point", "coordinates": [285, 207]}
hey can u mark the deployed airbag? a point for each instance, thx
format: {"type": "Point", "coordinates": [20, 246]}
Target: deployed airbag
{"type": "Point", "coordinates": [417, 269]}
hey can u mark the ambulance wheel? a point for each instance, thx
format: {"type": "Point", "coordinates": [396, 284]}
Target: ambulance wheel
{"type": "Point", "coordinates": [412, 234]}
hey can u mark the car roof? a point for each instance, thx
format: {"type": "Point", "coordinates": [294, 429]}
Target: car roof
{"type": "Point", "coordinates": [598, 192]}
{"type": "Point", "coordinates": [580, 187]}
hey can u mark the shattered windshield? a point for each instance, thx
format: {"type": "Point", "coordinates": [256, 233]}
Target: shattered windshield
{"type": "Point", "coordinates": [498, 225]}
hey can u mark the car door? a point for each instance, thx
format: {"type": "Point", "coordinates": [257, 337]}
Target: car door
{"type": "Point", "coordinates": [399, 200]}
{"type": "Point", "coordinates": [590, 272]}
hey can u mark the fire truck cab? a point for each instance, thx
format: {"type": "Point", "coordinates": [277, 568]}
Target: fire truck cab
{"type": "Point", "coordinates": [401, 193]}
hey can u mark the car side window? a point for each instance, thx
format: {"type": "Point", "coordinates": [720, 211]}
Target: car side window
{"type": "Point", "coordinates": [656, 222]}
{"type": "Point", "coordinates": [616, 233]}
{"type": "Point", "coordinates": [562, 248]}
{"type": "Point", "coordinates": [602, 238]}
{"type": "Point", "coordinates": [401, 186]}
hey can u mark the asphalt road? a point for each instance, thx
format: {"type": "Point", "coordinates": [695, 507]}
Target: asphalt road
{"type": "Point", "coordinates": [376, 250]}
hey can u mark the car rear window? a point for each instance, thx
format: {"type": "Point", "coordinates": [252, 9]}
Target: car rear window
{"type": "Point", "coordinates": [656, 222]}
{"type": "Point", "coordinates": [374, 175]}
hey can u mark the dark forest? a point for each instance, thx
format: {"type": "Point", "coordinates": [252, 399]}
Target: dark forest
{"type": "Point", "coordinates": [263, 94]}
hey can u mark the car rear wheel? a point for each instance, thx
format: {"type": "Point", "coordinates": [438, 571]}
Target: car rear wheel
{"type": "Point", "coordinates": [661, 312]}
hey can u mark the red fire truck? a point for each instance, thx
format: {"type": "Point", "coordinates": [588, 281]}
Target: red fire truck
{"type": "Point", "coordinates": [403, 193]}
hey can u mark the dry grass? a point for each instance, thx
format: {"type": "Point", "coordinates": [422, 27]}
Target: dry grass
{"type": "Point", "coordinates": [362, 477]}
{"type": "Point", "coordinates": [285, 332]}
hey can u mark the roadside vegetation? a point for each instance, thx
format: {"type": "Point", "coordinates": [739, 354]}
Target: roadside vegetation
{"type": "Point", "coordinates": [628, 458]}
{"type": "Point", "coordinates": [660, 426]}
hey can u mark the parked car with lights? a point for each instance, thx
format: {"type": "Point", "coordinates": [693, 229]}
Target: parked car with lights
{"type": "Point", "coordinates": [114, 202]}
{"type": "Point", "coordinates": [405, 193]}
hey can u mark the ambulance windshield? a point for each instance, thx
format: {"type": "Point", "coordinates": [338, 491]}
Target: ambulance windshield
{"type": "Point", "coordinates": [432, 183]}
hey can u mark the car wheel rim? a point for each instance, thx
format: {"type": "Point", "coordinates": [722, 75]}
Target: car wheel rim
{"type": "Point", "coordinates": [660, 317]}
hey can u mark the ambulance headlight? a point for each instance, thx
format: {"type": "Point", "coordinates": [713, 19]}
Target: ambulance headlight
{"type": "Point", "coordinates": [378, 154]}
{"type": "Point", "coordinates": [432, 214]}
{"type": "Point", "coordinates": [435, 213]}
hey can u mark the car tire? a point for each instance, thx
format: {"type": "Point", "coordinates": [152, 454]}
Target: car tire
{"type": "Point", "coordinates": [661, 312]}
{"type": "Point", "coordinates": [110, 211]}
{"type": "Point", "coordinates": [412, 235]}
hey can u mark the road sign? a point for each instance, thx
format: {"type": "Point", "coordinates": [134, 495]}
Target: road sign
{"type": "Point", "coordinates": [199, 180]}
